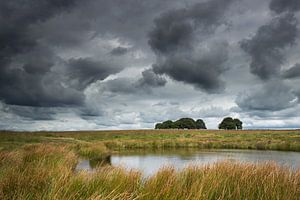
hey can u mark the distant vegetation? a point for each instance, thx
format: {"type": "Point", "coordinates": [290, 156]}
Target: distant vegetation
{"type": "Point", "coordinates": [228, 123]}
{"type": "Point", "coordinates": [231, 124]}
{"type": "Point", "coordinates": [183, 123]}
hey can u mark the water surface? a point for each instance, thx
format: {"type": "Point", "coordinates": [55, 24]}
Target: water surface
{"type": "Point", "coordinates": [150, 162]}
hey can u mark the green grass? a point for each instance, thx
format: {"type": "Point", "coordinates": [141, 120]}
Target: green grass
{"type": "Point", "coordinates": [287, 140]}
{"type": "Point", "coordinates": [41, 165]}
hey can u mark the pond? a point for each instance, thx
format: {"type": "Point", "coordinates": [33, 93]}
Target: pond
{"type": "Point", "coordinates": [150, 162]}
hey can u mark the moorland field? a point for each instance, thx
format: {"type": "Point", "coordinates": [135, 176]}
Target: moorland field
{"type": "Point", "coordinates": [41, 165]}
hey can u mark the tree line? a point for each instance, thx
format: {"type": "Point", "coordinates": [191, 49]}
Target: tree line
{"type": "Point", "coordinates": [227, 123]}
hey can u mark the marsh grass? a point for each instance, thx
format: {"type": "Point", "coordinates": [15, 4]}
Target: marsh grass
{"type": "Point", "coordinates": [41, 165]}
{"type": "Point", "coordinates": [95, 150]}
{"type": "Point", "coordinates": [46, 171]}
{"type": "Point", "coordinates": [90, 143]}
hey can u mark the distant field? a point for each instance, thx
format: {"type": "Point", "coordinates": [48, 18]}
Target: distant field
{"type": "Point", "coordinates": [288, 140]}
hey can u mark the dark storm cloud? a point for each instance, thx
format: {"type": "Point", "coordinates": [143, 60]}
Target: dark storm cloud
{"type": "Point", "coordinates": [16, 18]}
{"type": "Point", "coordinates": [273, 96]}
{"type": "Point", "coordinates": [280, 6]}
{"type": "Point", "coordinates": [174, 29]}
{"type": "Point", "coordinates": [118, 51]}
{"type": "Point", "coordinates": [173, 40]}
{"type": "Point", "coordinates": [267, 47]}
{"type": "Point", "coordinates": [149, 78]}
{"type": "Point", "coordinates": [18, 87]}
{"type": "Point", "coordinates": [203, 71]}
{"type": "Point", "coordinates": [29, 84]}
{"type": "Point", "coordinates": [293, 72]}
{"type": "Point", "coordinates": [32, 113]}
{"type": "Point", "coordinates": [84, 71]}
{"type": "Point", "coordinates": [101, 64]}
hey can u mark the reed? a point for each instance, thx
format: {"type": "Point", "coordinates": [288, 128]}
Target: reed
{"type": "Point", "coordinates": [46, 171]}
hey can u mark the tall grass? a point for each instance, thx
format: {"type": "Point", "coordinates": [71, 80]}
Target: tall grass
{"type": "Point", "coordinates": [46, 171]}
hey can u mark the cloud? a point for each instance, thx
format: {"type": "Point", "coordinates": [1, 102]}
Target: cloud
{"type": "Point", "coordinates": [19, 87]}
{"type": "Point", "coordinates": [173, 40]}
{"type": "Point", "coordinates": [16, 19]}
{"type": "Point", "coordinates": [293, 72]}
{"type": "Point", "coordinates": [98, 64]}
{"type": "Point", "coordinates": [201, 70]}
{"type": "Point", "coordinates": [33, 113]}
{"type": "Point", "coordinates": [280, 6]}
{"type": "Point", "coordinates": [25, 63]}
{"type": "Point", "coordinates": [175, 29]}
{"type": "Point", "coordinates": [126, 86]}
{"type": "Point", "coordinates": [273, 96]}
{"type": "Point", "coordinates": [267, 46]}
{"type": "Point", "coordinates": [118, 85]}
{"type": "Point", "coordinates": [149, 78]}
{"type": "Point", "coordinates": [84, 71]}
{"type": "Point", "coordinates": [118, 51]}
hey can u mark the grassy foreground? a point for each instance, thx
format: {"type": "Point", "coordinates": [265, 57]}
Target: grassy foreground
{"type": "Point", "coordinates": [41, 165]}
{"type": "Point", "coordinates": [46, 171]}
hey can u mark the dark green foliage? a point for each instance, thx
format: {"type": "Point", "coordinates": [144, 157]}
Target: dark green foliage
{"type": "Point", "coordinates": [183, 123]}
{"type": "Point", "coordinates": [200, 124]}
{"type": "Point", "coordinates": [238, 123]}
{"type": "Point", "coordinates": [165, 125]}
{"type": "Point", "coordinates": [230, 124]}
{"type": "Point", "coordinates": [158, 126]}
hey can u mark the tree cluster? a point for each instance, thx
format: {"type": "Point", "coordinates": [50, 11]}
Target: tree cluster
{"type": "Point", "coordinates": [183, 123]}
{"type": "Point", "coordinates": [229, 123]}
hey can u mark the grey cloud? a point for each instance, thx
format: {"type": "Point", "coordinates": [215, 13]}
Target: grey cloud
{"type": "Point", "coordinates": [280, 6]}
{"type": "Point", "coordinates": [202, 71]}
{"type": "Point", "coordinates": [273, 96]}
{"type": "Point", "coordinates": [16, 18]}
{"type": "Point", "coordinates": [118, 51]}
{"type": "Point", "coordinates": [28, 84]}
{"type": "Point", "coordinates": [37, 67]}
{"type": "Point", "coordinates": [84, 71]}
{"type": "Point", "coordinates": [119, 85]}
{"type": "Point", "coordinates": [293, 72]}
{"type": "Point", "coordinates": [149, 78]}
{"type": "Point", "coordinates": [213, 112]}
{"type": "Point", "coordinates": [174, 29]}
{"type": "Point", "coordinates": [267, 46]}
{"type": "Point", "coordinates": [76, 64]}
{"type": "Point", "coordinates": [173, 40]}
{"type": "Point", "coordinates": [124, 85]}
{"type": "Point", "coordinates": [33, 113]}
{"type": "Point", "coordinates": [18, 87]}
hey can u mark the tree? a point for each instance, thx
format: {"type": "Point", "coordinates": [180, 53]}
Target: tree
{"type": "Point", "coordinates": [200, 124]}
{"type": "Point", "coordinates": [158, 126]}
{"type": "Point", "coordinates": [167, 124]}
{"type": "Point", "coordinates": [238, 123]}
{"type": "Point", "coordinates": [183, 123]}
{"type": "Point", "coordinates": [230, 124]}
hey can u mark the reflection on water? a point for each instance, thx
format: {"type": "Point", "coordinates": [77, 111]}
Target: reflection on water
{"type": "Point", "coordinates": [93, 163]}
{"type": "Point", "coordinates": [150, 161]}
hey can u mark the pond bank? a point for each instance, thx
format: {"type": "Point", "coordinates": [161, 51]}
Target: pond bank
{"type": "Point", "coordinates": [46, 171]}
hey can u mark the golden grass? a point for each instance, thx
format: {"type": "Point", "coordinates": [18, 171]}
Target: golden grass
{"type": "Point", "coordinates": [46, 171]}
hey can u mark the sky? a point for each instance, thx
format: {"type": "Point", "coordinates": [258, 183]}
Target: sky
{"type": "Point", "coordinates": [99, 64]}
